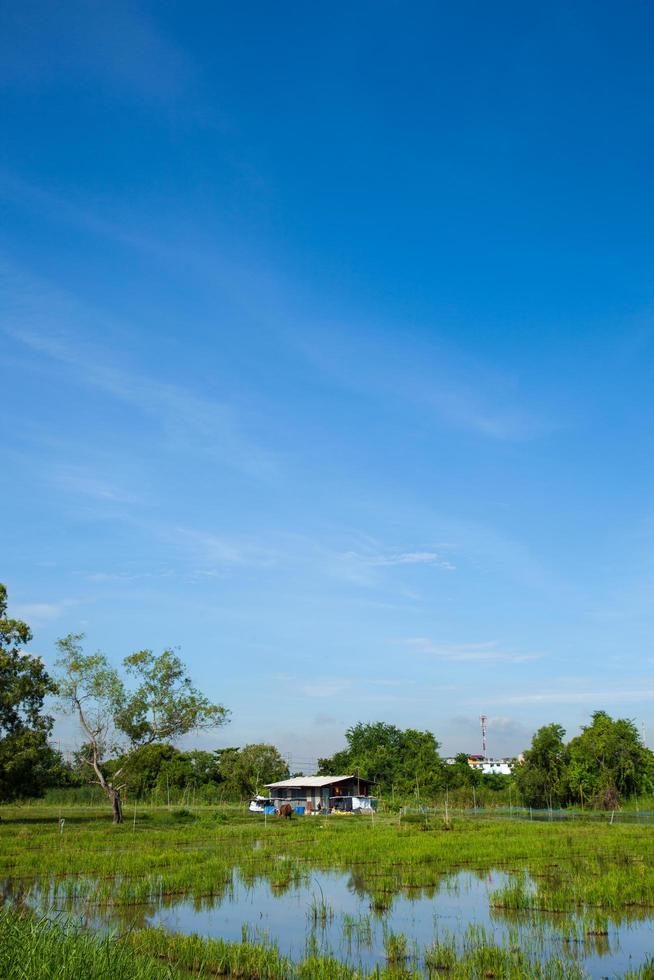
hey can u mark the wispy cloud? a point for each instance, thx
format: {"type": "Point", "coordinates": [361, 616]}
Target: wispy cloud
{"type": "Point", "coordinates": [487, 652]}
{"type": "Point", "coordinates": [444, 384]}
{"type": "Point", "coordinates": [39, 613]}
{"type": "Point", "coordinates": [78, 480]}
{"type": "Point", "coordinates": [41, 318]}
{"type": "Point", "coordinates": [613, 695]}
{"type": "Point", "coordinates": [102, 578]}
{"type": "Point", "coordinates": [382, 690]}
{"type": "Point", "coordinates": [447, 386]}
{"type": "Point", "coordinates": [326, 687]}
{"type": "Point", "coordinates": [213, 549]}
{"type": "Point", "coordinates": [400, 558]}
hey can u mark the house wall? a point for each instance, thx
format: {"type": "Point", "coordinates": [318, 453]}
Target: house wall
{"type": "Point", "coordinates": [316, 794]}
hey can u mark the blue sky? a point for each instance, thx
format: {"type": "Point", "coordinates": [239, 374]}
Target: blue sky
{"type": "Point", "coordinates": [328, 356]}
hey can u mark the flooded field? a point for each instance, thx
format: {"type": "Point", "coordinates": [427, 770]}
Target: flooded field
{"type": "Point", "coordinates": [409, 901]}
{"type": "Point", "coordinates": [331, 914]}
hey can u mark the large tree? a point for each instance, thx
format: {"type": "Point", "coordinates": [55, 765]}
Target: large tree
{"type": "Point", "coordinates": [160, 767]}
{"type": "Point", "coordinates": [541, 777]}
{"type": "Point", "coordinates": [245, 771]}
{"type": "Point", "coordinates": [608, 762]}
{"type": "Point", "coordinates": [117, 717]}
{"type": "Point", "coordinates": [406, 761]}
{"type": "Point", "coordinates": [461, 773]}
{"type": "Point", "coordinates": [27, 762]}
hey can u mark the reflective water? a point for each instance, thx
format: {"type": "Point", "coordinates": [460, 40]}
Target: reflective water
{"type": "Point", "coordinates": [332, 913]}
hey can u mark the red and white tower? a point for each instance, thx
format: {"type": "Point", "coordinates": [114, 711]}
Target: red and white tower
{"type": "Point", "coordinates": [484, 731]}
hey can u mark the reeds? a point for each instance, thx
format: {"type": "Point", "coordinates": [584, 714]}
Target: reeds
{"type": "Point", "coordinates": [35, 949]}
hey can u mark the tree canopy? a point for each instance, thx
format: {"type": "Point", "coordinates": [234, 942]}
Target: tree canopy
{"type": "Point", "coordinates": [402, 761]}
{"type": "Point", "coordinates": [604, 765]}
{"type": "Point", "coordinates": [541, 777]}
{"type": "Point", "coordinates": [27, 763]}
{"type": "Point", "coordinates": [114, 718]}
{"type": "Point", "coordinates": [245, 771]}
{"type": "Point", "coordinates": [608, 762]}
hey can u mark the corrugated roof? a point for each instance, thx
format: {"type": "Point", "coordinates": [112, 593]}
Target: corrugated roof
{"type": "Point", "coordinates": [308, 781]}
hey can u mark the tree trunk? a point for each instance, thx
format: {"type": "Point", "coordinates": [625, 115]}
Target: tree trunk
{"type": "Point", "coordinates": [112, 793]}
{"type": "Point", "coordinates": [116, 805]}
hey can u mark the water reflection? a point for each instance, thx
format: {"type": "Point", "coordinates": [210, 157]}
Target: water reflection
{"type": "Point", "coordinates": [351, 915]}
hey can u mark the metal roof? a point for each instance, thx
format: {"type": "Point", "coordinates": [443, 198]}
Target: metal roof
{"type": "Point", "coordinates": [309, 781]}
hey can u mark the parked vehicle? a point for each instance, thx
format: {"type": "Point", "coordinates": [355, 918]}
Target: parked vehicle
{"type": "Point", "coordinates": [261, 804]}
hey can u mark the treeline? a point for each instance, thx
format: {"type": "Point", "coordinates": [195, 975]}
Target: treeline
{"type": "Point", "coordinates": [129, 720]}
{"type": "Point", "coordinates": [602, 767]}
{"type": "Point", "coordinates": [162, 773]}
{"type": "Point", "coordinates": [404, 764]}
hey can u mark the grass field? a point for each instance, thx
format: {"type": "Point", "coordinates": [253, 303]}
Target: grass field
{"type": "Point", "coordinates": [574, 880]}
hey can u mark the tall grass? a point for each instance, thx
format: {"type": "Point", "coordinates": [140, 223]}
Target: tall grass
{"type": "Point", "coordinates": [35, 949]}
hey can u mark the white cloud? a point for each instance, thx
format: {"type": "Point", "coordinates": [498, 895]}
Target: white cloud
{"type": "Point", "coordinates": [379, 560]}
{"type": "Point", "coordinates": [104, 577]}
{"type": "Point", "coordinates": [36, 613]}
{"type": "Point", "coordinates": [368, 690]}
{"type": "Point", "coordinates": [327, 688]}
{"type": "Point", "coordinates": [489, 652]}
{"type": "Point", "coordinates": [77, 480]}
{"type": "Point", "coordinates": [214, 549]}
{"type": "Point", "coordinates": [613, 695]}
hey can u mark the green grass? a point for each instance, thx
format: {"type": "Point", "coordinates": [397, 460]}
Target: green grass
{"type": "Point", "coordinates": [34, 949]}
{"type": "Point", "coordinates": [578, 876]}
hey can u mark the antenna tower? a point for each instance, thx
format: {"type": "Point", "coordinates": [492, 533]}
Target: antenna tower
{"type": "Point", "coordinates": [484, 731]}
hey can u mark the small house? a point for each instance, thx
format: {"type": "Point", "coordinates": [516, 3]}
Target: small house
{"type": "Point", "coordinates": [311, 793]}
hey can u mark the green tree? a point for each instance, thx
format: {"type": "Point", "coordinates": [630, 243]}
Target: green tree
{"type": "Point", "coordinates": [541, 778]}
{"type": "Point", "coordinates": [141, 769]}
{"type": "Point", "coordinates": [405, 761]}
{"type": "Point", "coordinates": [608, 762]}
{"type": "Point", "coordinates": [460, 773]}
{"type": "Point", "coordinates": [114, 718]}
{"type": "Point", "coordinates": [246, 771]}
{"type": "Point", "coordinates": [161, 767]}
{"type": "Point", "coordinates": [27, 763]}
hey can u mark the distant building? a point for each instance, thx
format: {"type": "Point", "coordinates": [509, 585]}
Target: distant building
{"type": "Point", "coordinates": [488, 767]}
{"type": "Point", "coordinates": [312, 791]}
{"type": "Point", "coordinates": [491, 767]}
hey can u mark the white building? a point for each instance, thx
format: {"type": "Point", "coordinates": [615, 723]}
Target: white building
{"type": "Point", "coordinates": [491, 767]}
